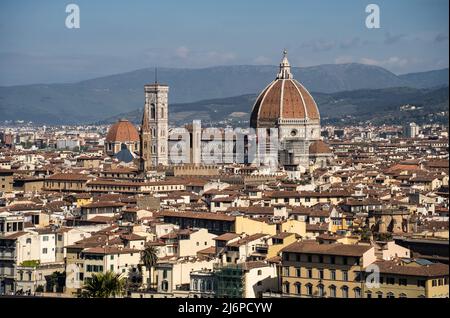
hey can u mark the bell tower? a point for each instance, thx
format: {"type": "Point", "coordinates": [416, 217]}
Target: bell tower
{"type": "Point", "coordinates": [156, 102]}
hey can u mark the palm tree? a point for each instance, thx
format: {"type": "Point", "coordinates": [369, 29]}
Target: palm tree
{"type": "Point", "coordinates": [104, 285]}
{"type": "Point", "coordinates": [149, 258]}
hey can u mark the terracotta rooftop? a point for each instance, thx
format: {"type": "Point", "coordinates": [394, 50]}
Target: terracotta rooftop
{"type": "Point", "coordinates": [400, 268]}
{"type": "Point", "coordinates": [312, 247]}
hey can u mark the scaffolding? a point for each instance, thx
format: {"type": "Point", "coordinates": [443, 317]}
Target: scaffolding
{"type": "Point", "coordinates": [230, 281]}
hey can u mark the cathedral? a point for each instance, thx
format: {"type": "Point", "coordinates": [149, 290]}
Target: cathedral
{"type": "Point", "coordinates": [287, 106]}
{"type": "Point", "coordinates": [284, 106]}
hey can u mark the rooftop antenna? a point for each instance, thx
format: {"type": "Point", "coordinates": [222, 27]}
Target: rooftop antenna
{"type": "Point", "coordinates": [156, 75]}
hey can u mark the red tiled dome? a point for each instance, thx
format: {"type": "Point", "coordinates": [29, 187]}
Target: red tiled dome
{"type": "Point", "coordinates": [284, 98]}
{"type": "Point", "coordinates": [319, 147]}
{"type": "Point", "coordinates": [122, 131]}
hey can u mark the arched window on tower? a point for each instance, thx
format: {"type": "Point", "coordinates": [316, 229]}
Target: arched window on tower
{"type": "Point", "coordinates": [162, 112]}
{"type": "Point", "coordinates": [152, 111]}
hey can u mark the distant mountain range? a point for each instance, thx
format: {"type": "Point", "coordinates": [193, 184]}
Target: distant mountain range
{"type": "Point", "coordinates": [96, 99]}
{"type": "Point", "coordinates": [376, 105]}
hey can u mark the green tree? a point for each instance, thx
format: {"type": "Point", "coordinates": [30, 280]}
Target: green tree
{"type": "Point", "coordinates": [149, 258]}
{"type": "Point", "coordinates": [104, 285]}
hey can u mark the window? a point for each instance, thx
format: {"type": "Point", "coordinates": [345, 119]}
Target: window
{"type": "Point", "coordinates": [286, 271]}
{"type": "Point", "coordinates": [345, 276]}
{"type": "Point", "coordinates": [45, 238]}
{"type": "Point", "coordinates": [332, 260]}
{"type": "Point", "coordinates": [310, 273]}
{"type": "Point", "coordinates": [421, 283]}
{"type": "Point", "coordinates": [286, 288]}
{"type": "Point", "coordinates": [357, 291]}
{"type": "Point", "coordinates": [369, 294]}
{"type": "Point", "coordinates": [298, 272]}
{"type": "Point", "coordinates": [344, 260]}
{"type": "Point", "coordinates": [309, 259]}
{"type": "Point", "coordinates": [44, 251]}
{"type": "Point", "coordinates": [194, 284]}
{"type": "Point", "coordinates": [259, 272]}
{"type": "Point", "coordinates": [298, 288]}
{"type": "Point", "coordinates": [309, 288]}
{"type": "Point", "coordinates": [164, 273]}
{"type": "Point", "coordinates": [332, 274]}
{"type": "Point", "coordinates": [390, 280]}
{"type": "Point", "coordinates": [390, 295]}
{"type": "Point", "coordinates": [321, 291]}
{"type": "Point", "coordinates": [403, 281]}
{"type": "Point", "coordinates": [344, 291]}
{"type": "Point", "coordinates": [321, 274]}
{"type": "Point", "coordinates": [332, 291]}
{"type": "Point", "coordinates": [402, 295]}
{"type": "Point", "coordinates": [380, 295]}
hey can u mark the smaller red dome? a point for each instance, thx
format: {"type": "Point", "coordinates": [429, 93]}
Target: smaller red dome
{"type": "Point", "coordinates": [122, 131]}
{"type": "Point", "coordinates": [319, 147]}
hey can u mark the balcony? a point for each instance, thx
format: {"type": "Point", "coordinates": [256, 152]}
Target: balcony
{"type": "Point", "coordinates": [7, 273]}
{"type": "Point", "coordinates": [7, 256]}
{"type": "Point", "coordinates": [261, 248]}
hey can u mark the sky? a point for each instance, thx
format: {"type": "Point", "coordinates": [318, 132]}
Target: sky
{"type": "Point", "coordinates": [122, 35]}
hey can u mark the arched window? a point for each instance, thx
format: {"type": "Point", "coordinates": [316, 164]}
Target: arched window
{"type": "Point", "coordinates": [402, 295]}
{"type": "Point", "coordinates": [194, 284]}
{"type": "Point", "coordinates": [321, 290]}
{"type": "Point", "coordinates": [344, 290]}
{"type": "Point", "coordinates": [379, 295]}
{"type": "Point", "coordinates": [390, 295]}
{"type": "Point", "coordinates": [286, 288]}
{"type": "Point", "coordinates": [332, 291]}
{"type": "Point", "coordinates": [202, 285]}
{"type": "Point", "coordinates": [298, 288]}
{"type": "Point", "coordinates": [28, 241]}
{"type": "Point", "coordinates": [152, 111]}
{"type": "Point", "coordinates": [309, 289]}
{"type": "Point", "coordinates": [357, 291]}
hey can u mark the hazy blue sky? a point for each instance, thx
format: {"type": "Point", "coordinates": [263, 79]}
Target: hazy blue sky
{"type": "Point", "coordinates": [117, 36]}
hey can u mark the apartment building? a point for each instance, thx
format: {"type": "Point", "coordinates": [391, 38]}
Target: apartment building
{"type": "Point", "coordinates": [311, 269]}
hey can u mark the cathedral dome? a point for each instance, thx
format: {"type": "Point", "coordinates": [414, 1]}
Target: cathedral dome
{"type": "Point", "coordinates": [284, 98]}
{"type": "Point", "coordinates": [122, 131]}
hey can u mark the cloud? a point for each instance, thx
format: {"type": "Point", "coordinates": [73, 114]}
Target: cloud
{"type": "Point", "coordinates": [393, 38]}
{"type": "Point", "coordinates": [351, 43]}
{"type": "Point", "coordinates": [318, 45]}
{"type": "Point", "coordinates": [441, 37]}
{"type": "Point", "coordinates": [220, 57]}
{"type": "Point", "coordinates": [344, 60]}
{"type": "Point", "coordinates": [262, 60]}
{"type": "Point", "coordinates": [182, 52]}
{"type": "Point", "coordinates": [391, 62]}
